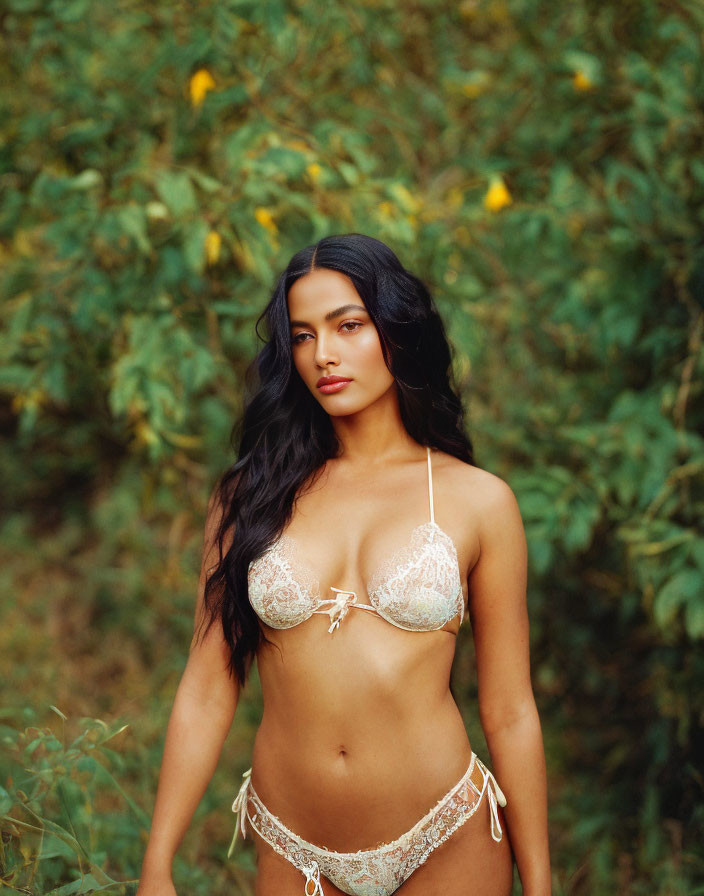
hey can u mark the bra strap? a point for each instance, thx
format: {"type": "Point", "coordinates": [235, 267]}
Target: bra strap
{"type": "Point", "coordinates": [430, 486]}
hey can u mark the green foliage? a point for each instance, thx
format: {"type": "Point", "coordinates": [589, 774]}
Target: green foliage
{"type": "Point", "coordinates": [539, 165]}
{"type": "Point", "coordinates": [68, 824]}
{"type": "Point", "coordinates": [54, 828]}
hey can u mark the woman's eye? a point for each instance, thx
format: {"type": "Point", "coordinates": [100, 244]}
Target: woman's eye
{"type": "Point", "coordinates": [348, 326]}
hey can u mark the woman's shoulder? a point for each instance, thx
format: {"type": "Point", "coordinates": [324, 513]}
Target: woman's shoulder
{"type": "Point", "coordinates": [474, 485]}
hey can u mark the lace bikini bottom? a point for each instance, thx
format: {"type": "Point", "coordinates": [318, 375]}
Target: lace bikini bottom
{"type": "Point", "coordinates": [381, 870]}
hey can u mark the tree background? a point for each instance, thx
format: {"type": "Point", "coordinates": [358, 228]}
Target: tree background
{"type": "Point", "coordinates": [540, 167]}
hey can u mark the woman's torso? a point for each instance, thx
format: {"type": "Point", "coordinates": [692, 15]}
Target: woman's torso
{"type": "Point", "coordinates": [360, 734]}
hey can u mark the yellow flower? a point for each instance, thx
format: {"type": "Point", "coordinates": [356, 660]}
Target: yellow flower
{"type": "Point", "coordinates": [314, 170]}
{"type": "Point", "coordinates": [497, 196]}
{"type": "Point", "coordinates": [213, 241]}
{"type": "Point", "coordinates": [581, 81]}
{"type": "Point", "coordinates": [265, 218]}
{"type": "Point", "coordinates": [201, 82]}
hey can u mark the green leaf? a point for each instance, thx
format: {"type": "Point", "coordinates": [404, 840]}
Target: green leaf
{"type": "Point", "coordinates": [6, 801]}
{"type": "Point", "coordinates": [694, 614]}
{"type": "Point", "coordinates": [132, 221]}
{"type": "Point", "coordinates": [675, 593]}
{"type": "Point", "coordinates": [87, 179]}
{"type": "Point", "coordinates": [176, 192]}
{"type": "Point", "coordinates": [194, 244]}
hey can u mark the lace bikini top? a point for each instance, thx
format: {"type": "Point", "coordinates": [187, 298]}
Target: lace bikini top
{"type": "Point", "coordinates": [417, 589]}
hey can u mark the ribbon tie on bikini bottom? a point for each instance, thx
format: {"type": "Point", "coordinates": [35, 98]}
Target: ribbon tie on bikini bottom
{"type": "Point", "coordinates": [240, 807]}
{"type": "Point", "coordinates": [312, 873]}
{"type": "Point", "coordinates": [495, 793]}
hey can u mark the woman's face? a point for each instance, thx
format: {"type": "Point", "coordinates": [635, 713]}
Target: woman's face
{"type": "Point", "coordinates": [333, 336]}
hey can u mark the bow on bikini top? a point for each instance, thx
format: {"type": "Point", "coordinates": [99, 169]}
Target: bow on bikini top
{"type": "Point", "coordinates": [417, 589]}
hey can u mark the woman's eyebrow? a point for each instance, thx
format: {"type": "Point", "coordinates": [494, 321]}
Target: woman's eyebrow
{"type": "Point", "coordinates": [331, 314]}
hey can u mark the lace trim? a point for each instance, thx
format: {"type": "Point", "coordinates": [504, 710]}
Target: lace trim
{"type": "Point", "coordinates": [381, 870]}
{"type": "Point", "coordinates": [426, 569]}
{"type": "Point", "coordinates": [278, 596]}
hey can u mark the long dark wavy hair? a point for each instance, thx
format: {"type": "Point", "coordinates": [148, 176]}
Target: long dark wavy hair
{"type": "Point", "coordinates": [285, 436]}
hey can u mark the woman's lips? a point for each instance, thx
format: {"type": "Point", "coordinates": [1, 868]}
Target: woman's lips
{"type": "Point", "coordinates": [334, 387]}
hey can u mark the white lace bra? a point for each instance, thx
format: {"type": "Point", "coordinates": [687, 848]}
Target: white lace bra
{"type": "Point", "coordinates": [418, 588]}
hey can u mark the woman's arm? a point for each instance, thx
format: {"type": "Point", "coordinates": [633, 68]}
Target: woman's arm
{"type": "Point", "coordinates": [507, 709]}
{"type": "Point", "coordinates": [201, 717]}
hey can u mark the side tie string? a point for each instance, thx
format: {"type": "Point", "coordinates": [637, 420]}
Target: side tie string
{"type": "Point", "coordinates": [239, 806]}
{"type": "Point", "coordinates": [495, 824]}
{"type": "Point", "coordinates": [499, 791]}
{"type": "Point", "coordinates": [496, 794]}
{"type": "Point", "coordinates": [312, 873]}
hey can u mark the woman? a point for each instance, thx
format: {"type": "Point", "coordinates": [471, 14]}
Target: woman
{"type": "Point", "coordinates": [343, 550]}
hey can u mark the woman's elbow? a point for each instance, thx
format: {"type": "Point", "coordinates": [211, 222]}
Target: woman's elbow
{"type": "Point", "coordinates": [507, 714]}
{"type": "Point", "coordinates": [208, 682]}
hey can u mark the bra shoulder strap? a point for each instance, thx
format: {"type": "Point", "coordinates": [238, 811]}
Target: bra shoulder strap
{"type": "Point", "coordinates": [430, 486]}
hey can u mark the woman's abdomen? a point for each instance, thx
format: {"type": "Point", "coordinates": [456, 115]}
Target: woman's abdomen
{"type": "Point", "coordinates": [357, 742]}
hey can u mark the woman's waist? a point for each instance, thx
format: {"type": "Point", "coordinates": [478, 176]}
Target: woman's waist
{"type": "Point", "coordinates": [370, 776]}
{"type": "Point", "coordinates": [325, 716]}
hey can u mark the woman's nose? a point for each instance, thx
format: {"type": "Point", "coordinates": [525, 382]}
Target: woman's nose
{"type": "Point", "coordinates": [324, 352]}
